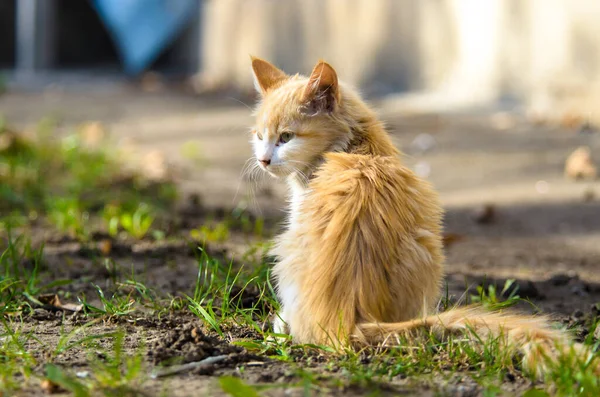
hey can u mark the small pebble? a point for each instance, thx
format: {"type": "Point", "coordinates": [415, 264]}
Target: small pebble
{"type": "Point", "coordinates": [485, 214]}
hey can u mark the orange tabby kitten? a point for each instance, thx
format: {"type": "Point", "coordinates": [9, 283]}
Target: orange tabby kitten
{"type": "Point", "coordinates": [361, 259]}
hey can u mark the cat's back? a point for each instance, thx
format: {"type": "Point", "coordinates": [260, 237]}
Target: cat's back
{"type": "Point", "coordinates": [372, 222]}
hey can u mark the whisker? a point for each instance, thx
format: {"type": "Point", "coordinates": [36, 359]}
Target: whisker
{"type": "Point", "coordinates": [237, 100]}
{"type": "Point", "coordinates": [243, 172]}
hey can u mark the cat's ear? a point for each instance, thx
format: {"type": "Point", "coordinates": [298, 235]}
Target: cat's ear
{"type": "Point", "coordinates": [322, 93]}
{"type": "Point", "coordinates": [266, 75]}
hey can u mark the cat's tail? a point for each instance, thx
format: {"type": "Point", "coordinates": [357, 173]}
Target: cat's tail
{"type": "Point", "coordinates": [533, 337]}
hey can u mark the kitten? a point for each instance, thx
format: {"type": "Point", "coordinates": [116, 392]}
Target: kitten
{"type": "Point", "coordinates": [362, 258]}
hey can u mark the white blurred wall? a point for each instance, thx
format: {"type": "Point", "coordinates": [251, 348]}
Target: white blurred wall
{"type": "Point", "coordinates": [469, 51]}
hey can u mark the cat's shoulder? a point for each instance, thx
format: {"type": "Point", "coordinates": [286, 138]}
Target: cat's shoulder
{"type": "Point", "coordinates": [370, 178]}
{"type": "Point", "coordinates": [339, 166]}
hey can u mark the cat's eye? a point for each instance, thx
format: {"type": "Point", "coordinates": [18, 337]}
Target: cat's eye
{"type": "Point", "coordinates": [285, 137]}
{"type": "Point", "coordinates": [259, 135]}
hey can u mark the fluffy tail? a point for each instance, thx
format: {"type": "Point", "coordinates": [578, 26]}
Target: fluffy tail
{"type": "Point", "coordinates": [531, 336]}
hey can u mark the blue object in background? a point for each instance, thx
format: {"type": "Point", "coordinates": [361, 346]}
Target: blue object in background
{"type": "Point", "coordinates": [142, 29]}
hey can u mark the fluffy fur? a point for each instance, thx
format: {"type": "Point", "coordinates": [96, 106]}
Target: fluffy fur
{"type": "Point", "coordinates": [361, 259]}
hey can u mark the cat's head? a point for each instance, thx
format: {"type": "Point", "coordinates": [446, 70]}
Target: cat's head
{"type": "Point", "coordinates": [298, 118]}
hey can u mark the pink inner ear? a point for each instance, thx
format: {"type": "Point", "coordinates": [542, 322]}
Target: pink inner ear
{"type": "Point", "coordinates": [322, 102]}
{"type": "Point", "coordinates": [321, 93]}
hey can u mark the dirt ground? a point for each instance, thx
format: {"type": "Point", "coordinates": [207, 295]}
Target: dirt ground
{"type": "Point", "coordinates": [510, 214]}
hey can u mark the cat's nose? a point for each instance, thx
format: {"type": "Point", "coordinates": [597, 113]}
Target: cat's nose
{"type": "Point", "coordinates": [265, 162]}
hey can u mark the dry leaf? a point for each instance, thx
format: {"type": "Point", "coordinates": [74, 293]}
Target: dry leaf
{"type": "Point", "coordinates": [53, 301]}
{"type": "Point", "coordinates": [50, 387]}
{"type": "Point", "coordinates": [105, 247]}
{"type": "Point", "coordinates": [579, 164]}
{"type": "Point", "coordinates": [50, 299]}
{"type": "Point", "coordinates": [451, 238]}
{"type": "Point", "coordinates": [571, 120]}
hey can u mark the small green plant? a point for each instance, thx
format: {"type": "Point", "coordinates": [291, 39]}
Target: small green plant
{"type": "Point", "coordinates": [67, 216]}
{"type": "Point", "coordinates": [118, 373]}
{"type": "Point", "coordinates": [110, 214]}
{"type": "Point", "coordinates": [70, 340]}
{"type": "Point", "coordinates": [192, 151]}
{"type": "Point", "coordinates": [15, 358]}
{"type": "Point", "coordinates": [68, 183]}
{"type": "Point", "coordinates": [116, 305]}
{"type": "Point", "coordinates": [236, 387]}
{"type": "Point", "coordinates": [138, 223]}
{"type": "Point", "coordinates": [493, 300]}
{"type": "Point", "coordinates": [248, 223]}
{"type": "Point", "coordinates": [218, 295]}
{"type": "Point", "coordinates": [216, 234]}
{"type": "Point", "coordinates": [56, 375]}
{"type": "Point", "coordinates": [20, 285]}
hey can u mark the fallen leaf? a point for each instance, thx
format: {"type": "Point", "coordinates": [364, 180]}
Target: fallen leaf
{"type": "Point", "coordinates": [50, 387]}
{"type": "Point", "coordinates": [579, 164]}
{"type": "Point", "coordinates": [451, 238]}
{"type": "Point", "coordinates": [571, 120]}
{"type": "Point", "coordinates": [52, 301]}
{"type": "Point", "coordinates": [105, 247]}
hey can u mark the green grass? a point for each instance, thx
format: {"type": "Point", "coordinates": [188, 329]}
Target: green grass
{"type": "Point", "coordinates": [115, 374]}
{"type": "Point", "coordinates": [62, 181]}
{"type": "Point", "coordinates": [219, 289]}
{"type": "Point", "coordinates": [15, 359]}
{"type": "Point", "coordinates": [20, 285]}
{"type": "Point", "coordinates": [494, 300]}
{"type": "Point", "coordinates": [217, 301]}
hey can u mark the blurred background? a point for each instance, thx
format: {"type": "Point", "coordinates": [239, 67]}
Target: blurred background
{"type": "Point", "coordinates": [462, 52]}
{"type": "Point", "coordinates": [487, 98]}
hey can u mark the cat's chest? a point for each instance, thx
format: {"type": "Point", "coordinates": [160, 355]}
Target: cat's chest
{"type": "Point", "coordinates": [298, 195]}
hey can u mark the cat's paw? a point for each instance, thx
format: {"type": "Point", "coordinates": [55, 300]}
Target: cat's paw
{"type": "Point", "coordinates": [281, 330]}
{"type": "Point", "coordinates": [280, 326]}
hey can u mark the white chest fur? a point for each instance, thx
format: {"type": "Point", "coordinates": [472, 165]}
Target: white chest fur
{"type": "Point", "coordinates": [298, 192]}
{"type": "Point", "coordinates": [287, 288]}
